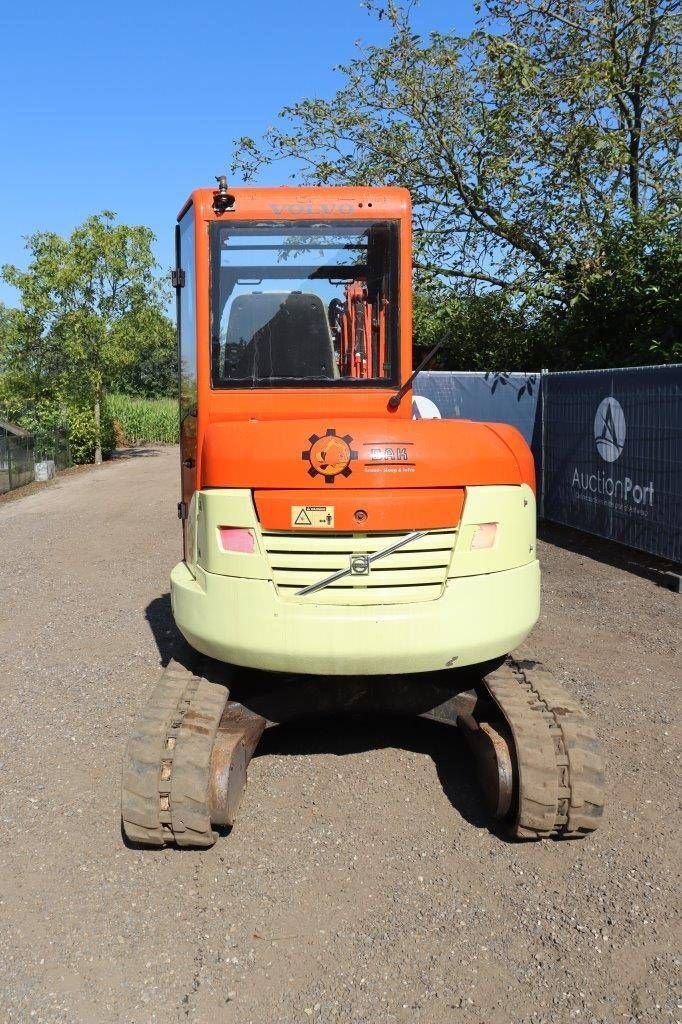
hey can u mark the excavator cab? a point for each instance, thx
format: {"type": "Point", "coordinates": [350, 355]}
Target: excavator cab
{"type": "Point", "coordinates": [328, 534]}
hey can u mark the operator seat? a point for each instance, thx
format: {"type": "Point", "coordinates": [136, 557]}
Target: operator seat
{"type": "Point", "coordinates": [280, 334]}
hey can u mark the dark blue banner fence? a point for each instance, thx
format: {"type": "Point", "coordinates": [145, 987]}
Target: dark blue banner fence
{"type": "Point", "coordinates": [607, 443]}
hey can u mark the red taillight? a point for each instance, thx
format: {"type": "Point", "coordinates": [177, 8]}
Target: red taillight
{"type": "Point", "coordinates": [236, 538]}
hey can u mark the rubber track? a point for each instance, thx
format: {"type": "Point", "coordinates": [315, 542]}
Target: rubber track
{"type": "Point", "coordinates": [164, 796]}
{"type": "Point", "coordinates": [560, 770]}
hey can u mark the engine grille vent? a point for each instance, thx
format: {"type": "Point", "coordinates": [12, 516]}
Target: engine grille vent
{"type": "Point", "coordinates": [416, 572]}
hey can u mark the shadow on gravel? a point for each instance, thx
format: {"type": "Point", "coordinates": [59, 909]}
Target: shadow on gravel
{"type": "Point", "coordinates": [169, 640]}
{"type": "Point", "coordinates": [134, 453]}
{"type": "Point", "coordinates": [609, 553]}
{"type": "Point", "coordinates": [344, 735]}
{"type": "Point", "coordinates": [341, 733]}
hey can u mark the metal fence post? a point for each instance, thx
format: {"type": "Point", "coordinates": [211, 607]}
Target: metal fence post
{"type": "Point", "coordinates": [544, 381]}
{"type": "Point", "coordinates": [3, 461]}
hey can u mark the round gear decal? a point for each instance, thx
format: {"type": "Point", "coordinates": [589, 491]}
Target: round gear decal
{"type": "Point", "coordinates": [330, 456]}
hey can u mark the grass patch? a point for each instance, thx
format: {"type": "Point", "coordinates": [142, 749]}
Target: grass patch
{"type": "Point", "coordinates": [144, 420]}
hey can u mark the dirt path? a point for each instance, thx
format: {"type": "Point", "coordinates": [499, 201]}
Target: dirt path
{"type": "Point", "coordinates": [361, 884]}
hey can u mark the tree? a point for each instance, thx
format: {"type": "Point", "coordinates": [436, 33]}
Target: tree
{"type": "Point", "coordinates": [154, 372]}
{"type": "Point", "coordinates": [523, 145]}
{"type": "Point", "coordinates": [629, 312]}
{"type": "Point", "coordinates": [477, 332]}
{"type": "Point", "coordinates": [90, 303]}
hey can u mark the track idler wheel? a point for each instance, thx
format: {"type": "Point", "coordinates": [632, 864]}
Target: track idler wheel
{"type": "Point", "coordinates": [236, 739]}
{"type": "Point", "coordinates": [492, 748]}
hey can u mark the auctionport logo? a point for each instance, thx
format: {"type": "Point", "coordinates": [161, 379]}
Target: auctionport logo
{"type": "Point", "coordinates": [609, 429]}
{"type": "Point", "coordinates": [621, 494]}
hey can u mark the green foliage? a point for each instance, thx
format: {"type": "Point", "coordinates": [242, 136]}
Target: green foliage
{"type": "Point", "coordinates": [91, 312]}
{"type": "Point", "coordinates": [154, 372]}
{"type": "Point", "coordinates": [480, 332]}
{"type": "Point", "coordinates": [45, 420]}
{"type": "Point", "coordinates": [144, 421]}
{"type": "Point", "coordinates": [627, 313]}
{"type": "Point", "coordinates": [59, 426]}
{"type": "Point", "coordinates": [82, 432]}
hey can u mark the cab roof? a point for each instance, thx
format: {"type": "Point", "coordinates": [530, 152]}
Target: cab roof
{"type": "Point", "coordinates": [287, 202]}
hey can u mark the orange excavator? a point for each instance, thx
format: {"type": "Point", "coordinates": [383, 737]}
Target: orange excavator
{"type": "Point", "coordinates": [337, 554]}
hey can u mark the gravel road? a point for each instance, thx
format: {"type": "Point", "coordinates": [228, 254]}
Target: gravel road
{"type": "Point", "coordinates": [362, 884]}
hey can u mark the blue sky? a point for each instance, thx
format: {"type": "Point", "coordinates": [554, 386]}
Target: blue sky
{"type": "Point", "coordinates": [129, 106]}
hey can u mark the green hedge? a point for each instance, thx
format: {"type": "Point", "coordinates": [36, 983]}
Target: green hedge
{"type": "Point", "coordinates": [144, 420]}
{"type": "Point", "coordinates": [62, 430]}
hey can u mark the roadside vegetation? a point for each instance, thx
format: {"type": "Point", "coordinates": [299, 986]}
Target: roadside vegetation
{"type": "Point", "coordinates": [143, 420]}
{"type": "Point", "coordinates": [91, 323]}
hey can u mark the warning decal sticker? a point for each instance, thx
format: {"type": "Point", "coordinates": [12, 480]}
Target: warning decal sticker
{"type": "Point", "coordinates": [312, 517]}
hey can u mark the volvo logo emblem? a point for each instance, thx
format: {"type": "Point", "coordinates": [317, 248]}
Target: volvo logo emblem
{"type": "Point", "coordinates": [609, 429]}
{"type": "Point", "coordinates": [359, 565]}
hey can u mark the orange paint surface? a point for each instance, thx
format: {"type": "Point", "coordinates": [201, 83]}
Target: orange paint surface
{"type": "Point", "coordinates": [340, 445]}
{"type": "Point", "coordinates": [426, 509]}
{"type": "Point", "coordinates": [383, 455]}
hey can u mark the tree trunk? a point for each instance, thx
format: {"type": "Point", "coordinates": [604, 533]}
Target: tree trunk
{"type": "Point", "coordinates": [98, 429]}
